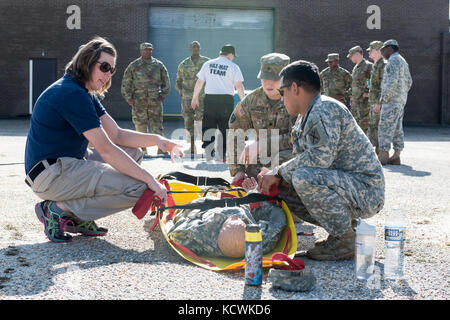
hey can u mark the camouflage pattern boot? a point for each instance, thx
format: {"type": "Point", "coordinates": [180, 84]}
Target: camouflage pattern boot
{"type": "Point", "coordinates": [334, 248]}
{"type": "Point", "coordinates": [383, 156]}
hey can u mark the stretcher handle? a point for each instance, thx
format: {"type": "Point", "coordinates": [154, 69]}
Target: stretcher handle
{"type": "Point", "coordinates": [221, 203]}
{"type": "Point", "coordinates": [196, 180]}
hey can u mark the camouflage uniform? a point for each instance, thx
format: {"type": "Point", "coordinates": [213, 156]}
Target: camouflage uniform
{"type": "Point", "coordinates": [144, 82]}
{"type": "Point", "coordinates": [360, 86]}
{"type": "Point", "coordinates": [374, 94]}
{"type": "Point", "coordinates": [198, 230]}
{"type": "Point", "coordinates": [256, 111]}
{"type": "Point", "coordinates": [334, 83]}
{"type": "Point", "coordinates": [335, 176]}
{"type": "Point", "coordinates": [186, 79]}
{"type": "Point", "coordinates": [394, 93]}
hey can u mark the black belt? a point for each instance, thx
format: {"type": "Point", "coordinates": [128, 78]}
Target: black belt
{"type": "Point", "coordinates": [37, 169]}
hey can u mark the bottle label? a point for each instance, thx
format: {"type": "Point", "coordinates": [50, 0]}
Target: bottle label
{"type": "Point", "coordinates": [394, 233]}
{"type": "Point", "coordinates": [253, 263]}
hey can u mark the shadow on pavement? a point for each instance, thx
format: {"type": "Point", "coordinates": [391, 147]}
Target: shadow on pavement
{"type": "Point", "coordinates": [45, 261]}
{"type": "Point", "coordinates": [407, 170]}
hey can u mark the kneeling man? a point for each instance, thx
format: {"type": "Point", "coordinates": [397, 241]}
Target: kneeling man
{"type": "Point", "coordinates": [335, 176]}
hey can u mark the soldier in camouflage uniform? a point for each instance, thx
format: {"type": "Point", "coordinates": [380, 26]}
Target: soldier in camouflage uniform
{"type": "Point", "coordinates": [375, 91]}
{"type": "Point", "coordinates": [395, 85]}
{"type": "Point", "coordinates": [360, 87]}
{"type": "Point", "coordinates": [336, 82]}
{"type": "Point", "coordinates": [145, 85]}
{"type": "Point", "coordinates": [335, 177]}
{"type": "Point", "coordinates": [186, 79]}
{"type": "Point", "coordinates": [262, 109]}
{"type": "Point", "coordinates": [198, 230]}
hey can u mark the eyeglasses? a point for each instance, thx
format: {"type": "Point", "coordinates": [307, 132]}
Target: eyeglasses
{"type": "Point", "coordinates": [106, 67]}
{"type": "Point", "coordinates": [280, 89]}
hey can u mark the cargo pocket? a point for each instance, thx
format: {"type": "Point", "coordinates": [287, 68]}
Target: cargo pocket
{"type": "Point", "coordinates": [44, 180]}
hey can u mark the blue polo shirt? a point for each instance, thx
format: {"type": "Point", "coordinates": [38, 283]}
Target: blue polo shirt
{"type": "Point", "coordinates": [61, 114]}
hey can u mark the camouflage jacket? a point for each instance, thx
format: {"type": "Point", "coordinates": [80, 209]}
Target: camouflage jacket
{"type": "Point", "coordinates": [336, 82]}
{"type": "Point", "coordinates": [361, 77]}
{"type": "Point", "coordinates": [375, 81]}
{"type": "Point", "coordinates": [187, 75]}
{"type": "Point", "coordinates": [328, 137]}
{"type": "Point", "coordinates": [145, 79]}
{"type": "Point", "coordinates": [396, 80]}
{"type": "Point", "coordinates": [198, 230]}
{"type": "Point", "coordinates": [256, 112]}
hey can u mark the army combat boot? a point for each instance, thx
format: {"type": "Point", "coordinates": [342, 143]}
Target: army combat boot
{"type": "Point", "coordinates": [334, 248]}
{"type": "Point", "coordinates": [383, 156]}
{"type": "Point", "coordinates": [395, 159]}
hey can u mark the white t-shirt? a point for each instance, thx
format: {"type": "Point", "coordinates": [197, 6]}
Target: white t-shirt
{"type": "Point", "coordinates": [220, 74]}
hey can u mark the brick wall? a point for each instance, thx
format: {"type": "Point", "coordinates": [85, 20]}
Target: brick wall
{"type": "Point", "coordinates": [303, 30]}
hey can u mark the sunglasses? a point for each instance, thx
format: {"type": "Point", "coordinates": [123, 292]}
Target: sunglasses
{"type": "Point", "coordinates": [280, 89]}
{"type": "Point", "coordinates": [106, 67]}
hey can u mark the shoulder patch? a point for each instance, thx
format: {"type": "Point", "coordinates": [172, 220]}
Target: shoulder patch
{"type": "Point", "coordinates": [232, 118]}
{"type": "Point", "coordinates": [316, 135]}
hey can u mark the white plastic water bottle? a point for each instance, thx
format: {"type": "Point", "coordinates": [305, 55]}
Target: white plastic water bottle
{"type": "Point", "coordinates": [394, 238]}
{"type": "Point", "coordinates": [365, 250]}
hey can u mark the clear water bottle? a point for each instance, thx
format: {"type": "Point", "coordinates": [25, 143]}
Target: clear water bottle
{"type": "Point", "coordinates": [365, 250]}
{"type": "Point", "coordinates": [394, 238]}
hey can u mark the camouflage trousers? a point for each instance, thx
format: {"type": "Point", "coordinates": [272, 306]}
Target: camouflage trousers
{"type": "Point", "coordinates": [372, 132]}
{"type": "Point", "coordinates": [147, 110]}
{"type": "Point", "coordinates": [390, 127]}
{"type": "Point", "coordinates": [190, 116]}
{"type": "Point", "coordinates": [252, 170]}
{"type": "Point", "coordinates": [360, 111]}
{"type": "Point", "coordinates": [331, 198]}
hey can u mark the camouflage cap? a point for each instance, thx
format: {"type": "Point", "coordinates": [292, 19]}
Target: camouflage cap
{"type": "Point", "coordinates": [271, 66]}
{"type": "Point", "coordinates": [354, 50]}
{"type": "Point", "coordinates": [146, 45]}
{"type": "Point", "coordinates": [390, 42]}
{"type": "Point", "coordinates": [375, 45]}
{"type": "Point", "coordinates": [332, 57]}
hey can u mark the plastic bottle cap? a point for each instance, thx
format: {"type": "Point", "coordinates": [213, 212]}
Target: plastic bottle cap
{"type": "Point", "coordinates": [365, 228]}
{"type": "Point", "coordinates": [252, 228]}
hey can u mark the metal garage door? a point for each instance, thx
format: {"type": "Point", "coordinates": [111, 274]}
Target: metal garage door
{"type": "Point", "coordinates": [172, 29]}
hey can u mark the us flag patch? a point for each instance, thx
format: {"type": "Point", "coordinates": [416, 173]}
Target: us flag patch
{"type": "Point", "coordinates": [239, 110]}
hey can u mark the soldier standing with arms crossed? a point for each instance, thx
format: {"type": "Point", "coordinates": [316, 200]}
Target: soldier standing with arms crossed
{"type": "Point", "coordinates": [336, 82]}
{"type": "Point", "coordinates": [394, 92]}
{"type": "Point", "coordinates": [262, 109]}
{"type": "Point", "coordinates": [186, 78]}
{"type": "Point", "coordinates": [145, 85]}
{"type": "Point", "coordinates": [375, 91]}
{"type": "Point", "coordinates": [360, 87]}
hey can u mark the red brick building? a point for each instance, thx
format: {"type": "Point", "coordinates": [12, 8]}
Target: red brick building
{"type": "Point", "coordinates": [39, 37]}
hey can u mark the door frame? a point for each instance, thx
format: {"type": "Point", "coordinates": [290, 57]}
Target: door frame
{"type": "Point", "coordinates": [30, 80]}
